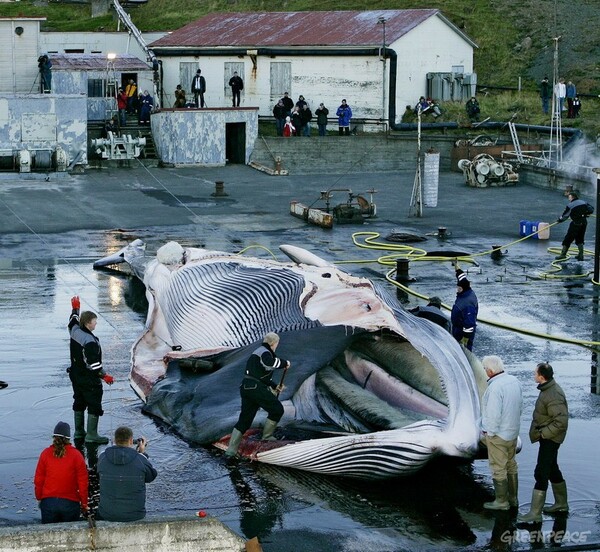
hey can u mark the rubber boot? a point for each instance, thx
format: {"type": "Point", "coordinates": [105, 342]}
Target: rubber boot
{"type": "Point", "coordinates": [535, 512]}
{"type": "Point", "coordinates": [501, 501]}
{"type": "Point", "coordinates": [580, 254]}
{"type": "Point", "coordinates": [92, 431]}
{"type": "Point", "coordinates": [513, 490]}
{"type": "Point", "coordinates": [234, 444]}
{"type": "Point", "coordinates": [563, 253]}
{"type": "Point", "coordinates": [560, 499]}
{"type": "Point", "coordinates": [268, 430]}
{"type": "Point", "coordinates": [79, 425]}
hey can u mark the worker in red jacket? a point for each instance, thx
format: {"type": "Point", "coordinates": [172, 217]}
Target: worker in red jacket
{"type": "Point", "coordinates": [61, 479]}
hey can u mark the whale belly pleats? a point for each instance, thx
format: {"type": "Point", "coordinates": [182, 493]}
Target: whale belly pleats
{"type": "Point", "coordinates": [231, 305]}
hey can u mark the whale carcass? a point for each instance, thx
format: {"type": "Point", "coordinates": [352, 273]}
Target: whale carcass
{"type": "Point", "coordinates": [373, 391]}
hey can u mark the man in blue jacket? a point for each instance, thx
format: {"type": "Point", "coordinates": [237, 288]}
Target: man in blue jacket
{"type": "Point", "coordinates": [464, 311]}
{"type": "Point", "coordinates": [344, 114]}
{"type": "Point", "coordinates": [123, 472]}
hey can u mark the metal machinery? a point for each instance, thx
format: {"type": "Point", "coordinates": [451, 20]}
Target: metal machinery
{"type": "Point", "coordinates": [33, 160]}
{"type": "Point", "coordinates": [484, 171]}
{"type": "Point", "coordinates": [354, 211]}
{"type": "Point", "coordinates": [119, 147]}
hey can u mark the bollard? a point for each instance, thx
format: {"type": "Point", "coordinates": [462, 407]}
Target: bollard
{"type": "Point", "coordinates": [278, 165]}
{"type": "Point", "coordinates": [219, 189]}
{"type": "Point", "coordinates": [442, 232]}
{"type": "Point", "coordinates": [402, 266]}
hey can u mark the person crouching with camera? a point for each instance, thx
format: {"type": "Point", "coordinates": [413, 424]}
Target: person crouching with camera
{"type": "Point", "coordinates": [123, 471]}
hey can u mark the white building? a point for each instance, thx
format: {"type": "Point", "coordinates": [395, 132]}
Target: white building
{"type": "Point", "coordinates": [378, 60]}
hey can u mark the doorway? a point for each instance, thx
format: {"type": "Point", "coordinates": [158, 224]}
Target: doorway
{"type": "Point", "coordinates": [235, 143]}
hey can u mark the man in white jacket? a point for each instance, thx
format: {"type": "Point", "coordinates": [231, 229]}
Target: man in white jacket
{"type": "Point", "coordinates": [501, 409]}
{"type": "Point", "coordinates": [560, 91]}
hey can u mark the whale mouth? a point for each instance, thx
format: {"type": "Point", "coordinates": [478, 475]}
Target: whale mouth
{"type": "Point", "coordinates": [365, 389]}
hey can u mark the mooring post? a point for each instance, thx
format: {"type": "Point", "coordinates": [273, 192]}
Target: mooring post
{"type": "Point", "coordinates": [219, 189]}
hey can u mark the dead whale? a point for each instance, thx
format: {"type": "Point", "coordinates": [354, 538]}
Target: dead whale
{"type": "Point", "coordinates": [380, 390]}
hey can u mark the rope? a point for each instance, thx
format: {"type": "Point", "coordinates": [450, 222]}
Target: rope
{"type": "Point", "coordinates": [417, 254]}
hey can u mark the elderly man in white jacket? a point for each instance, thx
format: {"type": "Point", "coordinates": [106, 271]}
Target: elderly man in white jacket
{"type": "Point", "coordinates": [501, 409]}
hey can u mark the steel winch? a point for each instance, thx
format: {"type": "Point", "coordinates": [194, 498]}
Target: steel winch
{"type": "Point", "coordinates": [26, 160]}
{"type": "Point", "coordinates": [119, 147]}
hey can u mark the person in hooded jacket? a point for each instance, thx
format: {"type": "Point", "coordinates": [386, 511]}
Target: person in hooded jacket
{"type": "Point", "coordinates": [464, 311]}
{"type": "Point", "coordinates": [61, 479]}
{"type": "Point", "coordinates": [123, 472]}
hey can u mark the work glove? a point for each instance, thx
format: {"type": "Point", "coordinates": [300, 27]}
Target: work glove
{"type": "Point", "coordinates": [75, 303]}
{"type": "Point", "coordinates": [108, 379]}
{"type": "Point", "coordinates": [280, 388]}
{"type": "Point", "coordinates": [559, 220]}
{"type": "Point", "coordinates": [464, 341]}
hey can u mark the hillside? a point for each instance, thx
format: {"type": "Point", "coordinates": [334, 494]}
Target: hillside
{"type": "Point", "coordinates": [515, 37]}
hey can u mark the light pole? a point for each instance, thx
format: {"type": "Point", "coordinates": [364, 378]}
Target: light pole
{"type": "Point", "coordinates": [382, 21]}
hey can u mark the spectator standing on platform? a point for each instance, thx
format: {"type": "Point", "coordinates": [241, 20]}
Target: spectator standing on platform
{"type": "Point", "coordinates": [179, 97]}
{"type": "Point", "coordinates": [288, 103]}
{"type": "Point", "coordinates": [237, 85]}
{"type": "Point", "coordinates": [198, 88]}
{"type": "Point", "coordinates": [280, 113]}
{"type": "Point", "coordinates": [545, 94]}
{"type": "Point", "coordinates": [306, 116]}
{"type": "Point", "coordinates": [344, 115]}
{"type": "Point", "coordinates": [570, 94]}
{"type": "Point", "coordinates": [122, 106]}
{"type": "Point", "coordinates": [322, 112]}
{"type": "Point", "coordinates": [131, 91]}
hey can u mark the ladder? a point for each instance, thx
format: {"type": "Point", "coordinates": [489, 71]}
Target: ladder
{"type": "Point", "coordinates": [111, 90]}
{"type": "Point", "coordinates": [515, 140]}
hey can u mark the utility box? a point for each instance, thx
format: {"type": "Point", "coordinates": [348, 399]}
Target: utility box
{"type": "Point", "coordinates": [458, 87]}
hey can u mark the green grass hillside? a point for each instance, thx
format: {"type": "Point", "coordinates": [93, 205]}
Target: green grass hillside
{"type": "Point", "coordinates": [516, 38]}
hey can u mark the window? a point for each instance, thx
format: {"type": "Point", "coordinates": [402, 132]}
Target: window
{"type": "Point", "coordinates": [95, 88]}
{"type": "Point", "coordinates": [281, 79]}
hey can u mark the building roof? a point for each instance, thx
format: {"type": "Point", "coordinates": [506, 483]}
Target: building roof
{"type": "Point", "coordinates": [124, 63]}
{"type": "Point", "coordinates": [284, 29]}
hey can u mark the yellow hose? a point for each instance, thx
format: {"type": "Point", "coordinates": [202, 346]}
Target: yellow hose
{"type": "Point", "coordinates": [417, 254]}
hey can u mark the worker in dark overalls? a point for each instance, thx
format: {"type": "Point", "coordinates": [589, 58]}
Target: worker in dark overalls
{"type": "Point", "coordinates": [259, 391]}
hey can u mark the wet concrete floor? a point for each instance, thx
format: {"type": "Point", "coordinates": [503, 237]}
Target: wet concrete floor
{"type": "Point", "coordinates": [51, 232]}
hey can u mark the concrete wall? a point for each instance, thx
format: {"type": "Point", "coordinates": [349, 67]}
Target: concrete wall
{"type": "Point", "coordinates": [197, 136]}
{"type": "Point", "coordinates": [558, 180]}
{"type": "Point", "coordinates": [41, 121]}
{"type": "Point", "coordinates": [161, 535]}
{"type": "Point", "coordinates": [348, 154]}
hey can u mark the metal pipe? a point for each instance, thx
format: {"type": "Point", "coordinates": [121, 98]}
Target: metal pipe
{"type": "Point", "coordinates": [597, 246]}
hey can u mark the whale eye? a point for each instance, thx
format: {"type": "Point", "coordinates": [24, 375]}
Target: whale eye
{"type": "Point", "coordinates": [367, 307]}
{"type": "Point", "coordinates": [326, 275]}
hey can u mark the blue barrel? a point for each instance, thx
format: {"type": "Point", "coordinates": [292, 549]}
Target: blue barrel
{"type": "Point", "coordinates": [528, 227]}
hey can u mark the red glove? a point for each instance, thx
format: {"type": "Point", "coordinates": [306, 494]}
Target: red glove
{"type": "Point", "coordinates": [108, 379]}
{"type": "Point", "coordinates": [75, 303]}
